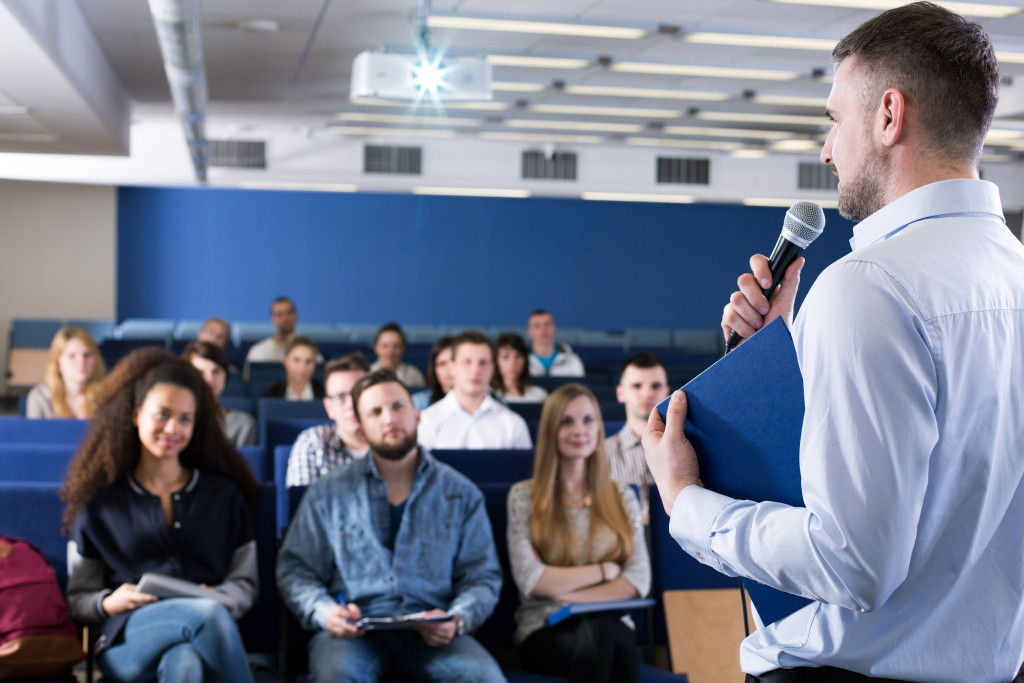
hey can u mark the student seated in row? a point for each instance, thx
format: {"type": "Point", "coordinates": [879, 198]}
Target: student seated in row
{"type": "Point", "coordinates": [210, 360]}
{"type": "Point", "coordinates": [439, 374]}
{"type": "Point", "coordinates": [156, 487]}
{"type": "Point", "coordinates": [74, 373]}
{"type": "Point", "coordinates": [511, 382]}
{"type": "Point", "coordinates": [550, 359]}
{"type": "Point", "coordinates": [394, 533]}
{"type": "Point", "coordinates": [574, 535]}
{"type": "Point", "coordinates": [299, 365]}
{"type": "Point", "coordinates": [389, 345]}
{"type": "Point", "coordinates": [469, 417]}
{"type": "Point", "coordinates": [320, 449]}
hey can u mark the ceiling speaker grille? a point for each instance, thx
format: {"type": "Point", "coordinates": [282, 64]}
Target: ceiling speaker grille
{"type": "Point", "coordinates": [557, 166]}
{"type": "Point", "coordinates": [237, 153]}
{"type": "Point", "coordinates": [390, 159]}
{"type": "Point", "coordinates": [684, 171]}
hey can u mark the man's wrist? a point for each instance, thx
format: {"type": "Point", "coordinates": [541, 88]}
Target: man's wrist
{"type": "Point", "coordinates": [460, 625]}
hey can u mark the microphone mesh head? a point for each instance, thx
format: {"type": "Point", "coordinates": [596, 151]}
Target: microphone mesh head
{"type": "Point", "coordinates": [804, 222]}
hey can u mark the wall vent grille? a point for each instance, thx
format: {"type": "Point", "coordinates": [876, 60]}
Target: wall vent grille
{"type": "Point", "coordinates": [237, 153]}
{"type": "Point", "coordinates": [389, 159]}
{"type": "Point", "coordinates": [557, 166]}
{"type": "Point", "coordinates": [816, 177]}
{"type": "Point", "coordinates": [684, 171]}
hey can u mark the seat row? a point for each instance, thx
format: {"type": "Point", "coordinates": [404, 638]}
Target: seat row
{"type": "Point", "coordinates": [30, 477]}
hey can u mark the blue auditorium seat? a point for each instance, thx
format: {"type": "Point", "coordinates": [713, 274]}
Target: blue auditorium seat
{"type": "Point", "coordinates": [33, 511]}
{"type": "Point", "coordinates": [23, 430]}
{"type": "Point", "coordinates": [278, 409]}
{"type": "Point", "coordinates": [25, 462]}
{"type": "Point", "coordinates": [489, 465]}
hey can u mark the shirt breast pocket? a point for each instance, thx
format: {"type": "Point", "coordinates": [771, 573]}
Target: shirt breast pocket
{"type": "Point", "coordinates": [361, 558]}
{"type": "Point", "coordinates": [436, 537]}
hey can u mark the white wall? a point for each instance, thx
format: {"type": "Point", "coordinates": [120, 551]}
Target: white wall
{"type": "Point", "coordinates": [58, 254]}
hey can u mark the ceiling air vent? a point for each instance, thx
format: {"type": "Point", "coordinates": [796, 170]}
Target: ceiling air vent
{"type": "Point", "coordinates": [556, 166]}
{"type": "Point", "coordinates": [237, 153]}
{"type": "Point", "coordinates": [680, 170]}
{"type": "Point", "coordinates": [813, 176]}
{"type": "Point", "coordinates": [389, 159]}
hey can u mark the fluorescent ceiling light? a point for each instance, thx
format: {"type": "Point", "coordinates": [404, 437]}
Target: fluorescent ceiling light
{"type": "Point", "coordinates": [968, 8]}
{"type": "Point", "coordinates": [537, 62]}
{"type": "Point", "coordinates": [632, 197]}
{"type": "Point", "coordinates": [745, 40]}
{"type": "Point", "coordinates": [542, 27]}
{"type": "Point", "coordinates": [515, 86]}
{"type": "Point", "coordinates": [791, 101]}
{"type": "Point", "coordinates": [708, 71]}
{"type": "Point", "coordinates": [797, 145]}
{"type": "Point", "coordinates": [780, 202]}
{"type": "Point", "coordinates": [471, 192]}
{"type": "Point", "coordinates": [401, 132]}
{"type": "Point", "coordinates": [750, 117]}
{"type": "Point", "coordinates": [1010, 57]}
{"type": "Point", "coordinates": [539, 137]}
{"type": "Point", "coordinates": [657, 93]}
{"type": "Point", "coordinates": [368, 117]}
{"type": "Point", "coordinates": [575, 125]}
{"type": "Point", "coordinates": [430, 106]}
{"type": "Point", "coordinates": [606, 111]}
{"type": "Point", "coordinates": [287, 185]}
{"type": "Point", "coordinates": [749, 153]}
{"type": "Point", "coordinates": [726, 132]}
{"type": "Point", "coordinates": [997, 135]}
{"type": "Point", "coordinates": [685, 144]}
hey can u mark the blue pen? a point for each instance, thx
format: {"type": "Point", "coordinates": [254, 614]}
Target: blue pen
{"type": "Point", "coordinates": [341, 601]}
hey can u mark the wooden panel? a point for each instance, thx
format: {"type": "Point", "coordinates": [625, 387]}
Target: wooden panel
{"type": "Point", "coordinates": [25, 367]}
{"type": "Point", "coordinates": [705, 628]}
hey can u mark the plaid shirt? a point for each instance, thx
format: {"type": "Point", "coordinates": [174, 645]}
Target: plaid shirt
{"type": "Point", "coordinates": [316, 452]}
{"type": "Point", "coordinates": [628, 465]}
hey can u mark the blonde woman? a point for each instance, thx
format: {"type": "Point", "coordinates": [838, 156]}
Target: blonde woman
{"type": "Point", "coordinates": [574, 535]}
{"type": "Point", "coordinates": [74, 372]}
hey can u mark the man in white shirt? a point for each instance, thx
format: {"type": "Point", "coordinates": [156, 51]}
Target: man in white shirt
{"type": "Point", "coordinates": [549, 358]}
{"type": "Point", "coordinates": [284, 317]}
{"type": "Point", "coordinates": [910, 452]}
{"type": "Point", "coordinates": [389, 345]}
{"type": "Point", "coordinates": [468, 416]}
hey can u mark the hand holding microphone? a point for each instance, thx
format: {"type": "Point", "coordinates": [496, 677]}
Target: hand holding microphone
{"type": "Point", "coordinates": [748, 308]}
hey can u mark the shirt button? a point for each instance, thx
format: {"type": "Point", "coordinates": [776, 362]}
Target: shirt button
{"type": "Point", "coordinates": [177, 496]}
{"type": "Point", "coordinates": [177, 525]}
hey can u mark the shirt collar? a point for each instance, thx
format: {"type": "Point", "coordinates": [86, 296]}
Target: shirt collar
{"type": "Point", "coordinates": [945, 198]}
{"type": "Point", "coordinates": [452, 404]}
{"type": "Point", "coordinates": [369, 463]}
{"type": "Point", "coordinates": [188, 488]}
{"type": "Point", "coordinates": [627, 438]}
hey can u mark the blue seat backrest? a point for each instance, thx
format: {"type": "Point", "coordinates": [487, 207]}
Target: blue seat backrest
{"type": "Point", "coordinates": [34, 462]}
{"type": "Point", "coordinates": [259, 461]}
{"type": "Point", "coordinates": [238, 402]}
{"type": "Point", "coordinates": [259, 625]}
{"type": "Point", "coordinates": [284, 510]}
{"type": "Point", "coordinates": [32, 511]}
{"type": "Point", "coordinates": [24, 430]}
{"type": "Point", "coordinates": [269, 409]}
{"type": "Point", "coordinates": [285, 432]}
{"type": "Point", "coordinates": [497, 632]}
{"type": "Point", "coordinates": [29, 333]}
{"type": "Point", "coordinates": [527, 411]}
{"type": "Point", "coordinates": [497, 466]}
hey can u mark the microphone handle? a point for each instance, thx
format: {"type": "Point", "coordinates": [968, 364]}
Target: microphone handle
{"type": "Point", "coordinates": [783, 255]}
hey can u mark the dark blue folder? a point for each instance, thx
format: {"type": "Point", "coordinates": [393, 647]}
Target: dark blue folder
{"type": "Point", "coordinates": [744, 418]}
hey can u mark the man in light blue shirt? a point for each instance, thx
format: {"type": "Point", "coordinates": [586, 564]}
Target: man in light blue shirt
{"type": "Point", "coordinates": [911, 447]}
{"type": "Point", "coordinates": [392, 534]}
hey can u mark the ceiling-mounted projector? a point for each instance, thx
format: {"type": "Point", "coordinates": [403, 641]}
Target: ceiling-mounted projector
{"type": "Point", "coordinates": [418, 77]}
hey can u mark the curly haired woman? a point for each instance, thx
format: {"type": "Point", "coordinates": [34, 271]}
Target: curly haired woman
{"type": "Point", "coordinates": [156, 487]}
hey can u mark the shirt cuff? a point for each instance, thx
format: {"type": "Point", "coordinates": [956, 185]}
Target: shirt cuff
{"type": "Point", "coordinates": [320, 611]}
{"type": "Point", "coordinates": [693, 517]}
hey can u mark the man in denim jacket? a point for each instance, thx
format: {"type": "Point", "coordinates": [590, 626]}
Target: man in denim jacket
{"type": "Point", "coordinates": [385, 536]}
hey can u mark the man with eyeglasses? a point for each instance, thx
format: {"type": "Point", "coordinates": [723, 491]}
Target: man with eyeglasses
{"type": "Point", "coordinates": [320, 449]}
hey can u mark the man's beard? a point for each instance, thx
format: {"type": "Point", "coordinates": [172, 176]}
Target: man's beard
{"type": "Point", "coordinates": [396, 451]}
{"type": "Point", "coordinates": [861, 197]}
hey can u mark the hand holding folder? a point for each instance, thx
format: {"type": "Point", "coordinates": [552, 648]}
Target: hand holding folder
{"type": "Point", "coordinates": [745, 414]}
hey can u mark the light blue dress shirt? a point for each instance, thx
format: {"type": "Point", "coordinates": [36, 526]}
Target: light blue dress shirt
{"type": "Point", "coordinates": [911, 457]}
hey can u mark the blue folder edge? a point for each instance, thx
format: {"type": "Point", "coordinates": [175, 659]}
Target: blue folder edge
{"type": "Point", "coordinates": [609, 606]}
{"type": "Point", "coordinates": [744, 418]}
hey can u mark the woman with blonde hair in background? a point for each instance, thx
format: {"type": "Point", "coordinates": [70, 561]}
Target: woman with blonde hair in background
{"type": "Point", "coordinates": [575, 536]}
{"type": "Point", "coordinates": [74, 372]}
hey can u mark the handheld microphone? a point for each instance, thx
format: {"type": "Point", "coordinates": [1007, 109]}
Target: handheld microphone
{"type": "Point", "coordinates": [804, 222]}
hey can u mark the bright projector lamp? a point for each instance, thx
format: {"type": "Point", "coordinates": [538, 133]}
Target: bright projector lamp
{"type": "Point", "coordinates": [406, 77]}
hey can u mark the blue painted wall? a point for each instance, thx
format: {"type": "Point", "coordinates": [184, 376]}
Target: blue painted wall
{"type": "Point", "coordinates": [369, 258]}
